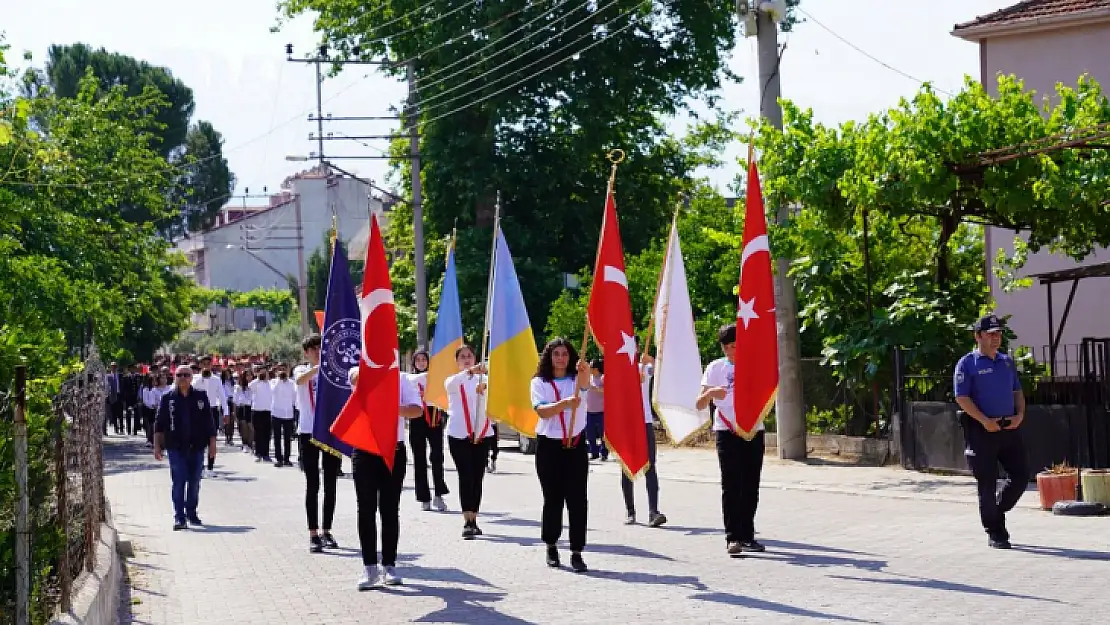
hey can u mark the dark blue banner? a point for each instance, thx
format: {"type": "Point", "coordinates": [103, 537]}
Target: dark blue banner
{"type": "Point", "coordinates": [338, 354]}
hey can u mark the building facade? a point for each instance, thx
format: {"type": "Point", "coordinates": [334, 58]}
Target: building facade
{"type": "Point", "coordinates": [1045, 42]}
{"type": "Point", "coordinates": [261, 247]}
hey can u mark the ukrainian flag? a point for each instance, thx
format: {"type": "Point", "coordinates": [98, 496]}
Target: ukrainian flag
{"type": "Point", "coordinates": [448, 337]}
{"type": "Point", "coordinates": [513, 356]}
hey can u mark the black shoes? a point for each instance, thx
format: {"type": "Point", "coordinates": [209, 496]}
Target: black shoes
{"type": "Point", "coordinates": [656, 519]}
{"type": "Point", "coordinates": [315, 544]}
{"type": "Point", "coordinates": [469, 532]}
{"type": "Point", "coordinates": [329, 541]}
{"type": "Point", "coordinates": [553, 556]}
{"type": "Point", "coordinates": [999, 543]}
{"type": "Point", "coordinates": [577, 563]}
{"type": "Point", "coordinates": [179, 525]}
{"type": "Point", "coordinates": [753, 546]}
{"type": "Point", "coordinates": [195, 520]}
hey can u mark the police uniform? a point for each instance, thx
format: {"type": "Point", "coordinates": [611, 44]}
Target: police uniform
{"type": "Point", "coordinates": [990, 383]}
{"type": "Point", "coordinates": [185, 422]}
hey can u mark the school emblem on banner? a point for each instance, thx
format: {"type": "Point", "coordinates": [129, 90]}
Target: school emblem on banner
{"type": "Point", "coordinates": [344, 343]}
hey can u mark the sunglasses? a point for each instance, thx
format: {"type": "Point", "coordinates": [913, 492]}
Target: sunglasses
{"type": "Point", "coordinates": [184, 375]}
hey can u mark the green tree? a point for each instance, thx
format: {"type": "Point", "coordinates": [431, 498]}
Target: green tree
{"type": "Point", "coordinates": [204, 181]}
{"type": "Point", "coordinates": [530, 105]}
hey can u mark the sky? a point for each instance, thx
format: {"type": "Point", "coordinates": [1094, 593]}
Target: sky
{"type": "Point", "coordinates": [845, 61]}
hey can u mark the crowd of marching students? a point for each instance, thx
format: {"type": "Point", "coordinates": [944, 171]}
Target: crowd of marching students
{"type": "Point", "coordinates": [260, 398]}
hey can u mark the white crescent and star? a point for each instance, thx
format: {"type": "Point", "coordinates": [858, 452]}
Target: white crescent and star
{"type": "Point", "coordinates": [610, 273]}
{"type": "Point", "coordinates": [367, 305]}
{"type": "Point", "coordinates": [746, 310]}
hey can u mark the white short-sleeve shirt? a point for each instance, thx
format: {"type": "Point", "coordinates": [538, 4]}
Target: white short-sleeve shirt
{"type": "Point", "coordinates": [409, 397]}
{"type": "Point", "coordinates": [646, 372]}
{"type": "Point", "coordinates": [306, 399]}
{"type": "Point", "coordinates": [462, 385]}
{"type": "Point", "coordinates": [284, 396]}
{"type": "Point", "coordinates": [262, 395]}
{"type": "Point", "coordinates": [558, 426]}
{"type": "Point", "coordinates": [720, 372]}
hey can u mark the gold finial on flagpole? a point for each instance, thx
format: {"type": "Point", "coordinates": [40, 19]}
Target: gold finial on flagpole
{"type": "Point", "coordinates": [334, 229]}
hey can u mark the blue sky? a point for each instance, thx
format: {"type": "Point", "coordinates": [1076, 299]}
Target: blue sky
{"type": "Point", "coordinates": [224, 50]}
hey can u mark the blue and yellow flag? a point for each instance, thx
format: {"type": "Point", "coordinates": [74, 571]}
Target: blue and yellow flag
{"type": "Point", "coordinates": [339, 352]}
{"type": "Point", "coordinates": [448, 337]}
{"type": "Point", "coordinates": [513, 356]}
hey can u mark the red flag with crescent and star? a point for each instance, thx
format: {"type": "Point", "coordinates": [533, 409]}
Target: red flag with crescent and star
{"type": "Point", "coordinates": [610, 319]}
{"type": "Point", "coordinates": [756, 374]}
{"type": "Point", "coordinates": [368, 420]}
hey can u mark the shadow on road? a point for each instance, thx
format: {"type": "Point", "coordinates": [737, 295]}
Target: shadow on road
{"type": "Point", "coordinates": [637, 577]}
{"type": "Point", "coordinates": [1059, 552]}
{"type": "Point", "coordinates": [801, 554]}
{"type": "Point", "coordinates": [771, 606]}
{"type": "Point", "coordinates": [461, 605]}
{"type": "Point", "coordinates": [221, 529]}
{"type": "Point", "coordinates": [617, 550]}
{"type": "Point", "coordinates": [938, 584]}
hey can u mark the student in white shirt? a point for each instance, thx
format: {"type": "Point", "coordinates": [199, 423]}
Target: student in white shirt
{"type": "Point", "coordinates": [651, 479]}
{"type": "Point", "coordinates": [285, 396]}
{"type": "Point", "coordinates": [379, 490]}
{"type": "Point", "coordinates": [262, 400]}
{"type": "Point", "coordinates": [741, 460]}
{"type": "Point", "coordinates": [211, 384]}
{"type": "Point", "coordinates": [469, 435]}
{"type": "Point", "coordinates": [562, 459]}
{"type": "Point", "coordinates": [427, 434]}
{"type": "Point", "coordinates": [307, 376]}
{"type": "Point", "coordinates": [150, 400]}
{"type": "Point", "coordinates": [229, 419]}
{"type": "Point", "coordinates": [243, 397]}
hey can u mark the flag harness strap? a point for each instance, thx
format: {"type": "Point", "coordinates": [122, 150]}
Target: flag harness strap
{"type": "Point", "coordinates": [568, 441]}
{"type": "Point", "coordinates": [469, 423]}
{"type": "Point", "coordinates": [423, 404]}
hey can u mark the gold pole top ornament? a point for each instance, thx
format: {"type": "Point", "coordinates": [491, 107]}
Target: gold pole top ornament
{"type": "Point", "coordinates": [616, 156]}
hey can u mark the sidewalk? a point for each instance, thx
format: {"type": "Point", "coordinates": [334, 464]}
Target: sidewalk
{"type": "Point", "coordinates": [815, 475]}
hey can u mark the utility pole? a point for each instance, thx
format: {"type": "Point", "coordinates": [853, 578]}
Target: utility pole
{"type": "Point", "coordinates": [413, 115]}
{"type": "Point", "coordinates": [302, 279]}
{"type": "Point", "coordinates": [789, 405]}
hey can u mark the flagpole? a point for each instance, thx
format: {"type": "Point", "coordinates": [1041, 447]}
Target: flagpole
{"type": "Point", "coordinates": [659, 285]}
{"type": "Point", "coordinates": [616, 157]}
{"type": "Point", "coordinates": [489, 300]}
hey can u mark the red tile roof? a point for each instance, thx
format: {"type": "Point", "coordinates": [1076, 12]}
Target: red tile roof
{"type": "Point", "coordinates": [1032, 10]}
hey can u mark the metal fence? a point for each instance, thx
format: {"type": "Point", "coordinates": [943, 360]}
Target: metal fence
{"type": "Point", "coordinates": [58, 493]}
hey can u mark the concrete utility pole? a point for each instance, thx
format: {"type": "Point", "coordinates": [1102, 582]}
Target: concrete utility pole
{"type": "Point", "coordinates": [790, 416]}
{"type": "Point", "coordinates": [302, 278]}
{"type": "Point", "coordinates": [417, 213]}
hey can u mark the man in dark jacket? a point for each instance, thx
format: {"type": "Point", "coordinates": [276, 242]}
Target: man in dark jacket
{"type": "Point", "coordinates": [184, 429]}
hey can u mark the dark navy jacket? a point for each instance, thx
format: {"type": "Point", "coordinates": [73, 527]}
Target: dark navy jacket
{"type": "Point", "coordinates": [185, 420]}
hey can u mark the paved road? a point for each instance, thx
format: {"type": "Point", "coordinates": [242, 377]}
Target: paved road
{"type": "Point", "coordinates": [832, 557]}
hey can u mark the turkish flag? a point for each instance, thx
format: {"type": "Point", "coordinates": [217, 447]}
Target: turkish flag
{"type": "Point", "coordinates": [756, 371]}
{"type": "Point", "coordinates": [368, 420]}
{"type": "Point", "coordinates": [610, 319]}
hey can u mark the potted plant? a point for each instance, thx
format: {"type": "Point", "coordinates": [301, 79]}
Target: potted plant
{"type": "Point", "coordinates": [1096, 486]}
{"type": "Point", "coordinates": [1057, 483]}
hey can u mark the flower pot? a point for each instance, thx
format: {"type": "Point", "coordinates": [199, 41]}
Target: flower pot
{"type": "Point", "coordinates": [1053, 487]}
{"type": "Point", "coordinates": [1096, 486]}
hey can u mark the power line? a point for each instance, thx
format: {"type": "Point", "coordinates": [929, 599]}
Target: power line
{"type": "Point", "coordinates": [608, 36]}
{"type": "Point", "coordinates": [510, 61]}
{"type": "Point", "coordinates": [473, 32]}
{"type": "Point", "coordinates": [868, 54]}
{"type": "Point", "coordinates": [533, 63]}
{"type": "Point", "coordinates": [418, 26]}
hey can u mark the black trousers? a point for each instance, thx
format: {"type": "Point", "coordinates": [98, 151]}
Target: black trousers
{"type": "Point", "coordinates": [470, 463]}
{"type": "Point", "coordinates": [131, 419]}
{"type": "Point", "coordinates": [261, 419]}
{"type": "Point", "coordinates": [985, 451]}
{"type": "Point", "coordinates": [116, 410]}
{"type": "Point", "coordinates": [148, 423]}
{"type": "Point", "coordinates": [494, 447]}
{"type": "Point", "coordinates": [563, 477]}
{"type": "Point", "coordinates": [423, 438]}
{"type": "Point", "coordinates": [311, 457]}
{"type": "Point", "coordinates": [283, 433]}
{"type": "Point", "coordinates": [229, 427]}
{"type": "Point", "coordinates": [246, 425]}
{"type": "Point", "coordinates": [741, 465]}
{"type": "Point", "coordinates": [378, 491]}
{"type": "Point", "coordinates": [651, 478]}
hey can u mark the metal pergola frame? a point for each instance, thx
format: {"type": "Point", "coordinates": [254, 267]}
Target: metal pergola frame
{"type": "Point", "coordinates": [1073, 275]}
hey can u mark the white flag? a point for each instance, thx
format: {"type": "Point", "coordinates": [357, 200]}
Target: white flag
{"type": "Point", "coordinates": [677, 380]}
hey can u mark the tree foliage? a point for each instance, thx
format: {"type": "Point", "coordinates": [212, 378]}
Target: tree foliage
{"type": "Point", "coordinates": [204, 180]}
{"type": "Point", "coordinates": [526, 99]}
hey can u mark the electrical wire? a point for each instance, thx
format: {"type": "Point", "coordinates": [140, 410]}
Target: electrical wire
{"type": "Point", "coordinates": [424, 103]}
{"type": "Point", "coordinates": [418, 26]}
{"type": "Point", "coordinates": [607, 36]}
{"type": "Point", "coordinates": [867, 54]}
{"type": "Point", "coordinates": [473, 32]}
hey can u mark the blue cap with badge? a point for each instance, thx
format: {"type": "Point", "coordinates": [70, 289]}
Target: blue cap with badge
{"type": "Point", "coordinates": [988, 323]}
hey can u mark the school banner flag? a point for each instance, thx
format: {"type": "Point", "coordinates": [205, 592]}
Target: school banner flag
{"type": "Point", "coordinates": [448, 337]}
{"type": "Point", "coordinates": [757, 363]}
{"type": "Point", "coordinates": [513, 355]}
{"type": "Point", "coordinates": [369, 420]}
{"type": "Point", "coordinates": [338, 354]}
{"type": "Point", "coordinates": [610, 317]}
{"type": "Point", "coordinates": [677, 377]}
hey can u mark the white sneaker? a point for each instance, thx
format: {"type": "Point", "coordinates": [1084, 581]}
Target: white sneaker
{"type": "Point", "coordinates": [439, 504]}
{"type": "Point", "coordinates": [370, 578]}
{"type": "Point", "coordinates": [391, 578]}
{"type": "Point", "coordinates": [426, 506]}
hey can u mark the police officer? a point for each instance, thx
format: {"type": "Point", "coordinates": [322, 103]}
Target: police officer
{"type": "Point", "coordinates": [184, 428]}
{"type": "Point", "coordinates": [989, 393]}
